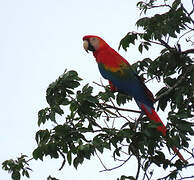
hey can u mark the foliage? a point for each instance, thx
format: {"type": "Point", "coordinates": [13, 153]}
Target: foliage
{"type": "Point", "coordinates": [85, 123]}
{"type": "Point", "coordinates": [15, 166]}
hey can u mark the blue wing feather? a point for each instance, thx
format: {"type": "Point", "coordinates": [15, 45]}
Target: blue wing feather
{"type": "Point", "coordinates": [127, 81]}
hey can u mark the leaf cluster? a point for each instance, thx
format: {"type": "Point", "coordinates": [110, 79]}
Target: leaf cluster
{"type": "Point", "coordinates": [70, 140]}
{"type": "Point", "coordinates": [86, 124]}
{"type": "Point", "coordinates": [173, 67]}
{"type": "Point", "coordinates": [162, 25]}
{"type": "Point", "coordinates": [83, 135]}
{"type": "Point", "coordinates": [17, 168]}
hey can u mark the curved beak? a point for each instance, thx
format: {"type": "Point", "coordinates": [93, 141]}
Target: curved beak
{"type": "Point", "coordinates": [86, 45]}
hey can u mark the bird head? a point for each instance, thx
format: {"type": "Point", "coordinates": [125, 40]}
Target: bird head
{"type": "Point", "coordinates": [93, 43]}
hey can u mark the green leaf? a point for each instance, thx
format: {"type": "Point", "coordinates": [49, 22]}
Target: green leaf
{"type": "Point", "coordinates": [175, 4]}
{"type": "Point", "coordinates": [178, 97]}
{"type": "Point", "coordinates": [52, 150]}
{"type": "Point", "coordinates": [169, 81]}
{"type": "Point", "coordinates": [162, 104]}
{"type": "Point", "coordinates": [38, 153]}
{"type": "Point", "coordinates": [122, 99]}
{"type": "Point", "coordinates": [106, 95]}
{"type": "Point", "coordinates": [73, 106]}
{"type": "Point", "coordinates": [127, 40]}
{"type": "Point", "coordinates": [98, 144]}
{"type": "Point", "coordinates": [51, 178]}
{"type": "Point", "coordinates": [42, 136]}
{"type": "Point", "coordinates": [185, 126]}
{"type": "Point", "coordinates": [140, 48]}
{"type": "Point", "coordinates": [127, 177]}
{"type": "Point", "coordinates": [69, 157]}
{"type": "Point", "coordinates": [78, 160]}
{"type": "Point", "coordinates": [173, 175]}
{"type": "Point", "coordinates": [43, 116]}
{"type": "Point", "coordinates": [146, 47]}
{"type": "Point", "coordinates": [58, 110]}
{"type": "Point", "coordinates": [16, 175]}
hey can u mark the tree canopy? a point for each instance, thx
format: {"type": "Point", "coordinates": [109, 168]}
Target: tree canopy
{"type": "Point", "coordinates": [90, 120]}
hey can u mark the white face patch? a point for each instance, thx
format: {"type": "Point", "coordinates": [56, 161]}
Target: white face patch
{"type": "Point", "coordinates": [94, 42]}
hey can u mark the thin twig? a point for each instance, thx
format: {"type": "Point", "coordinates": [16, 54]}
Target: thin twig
{"type": "Point", "coordinates": [120, 109]}
{"type": "Point", "coordinates": [188, 51]}
{"type": "Point", "coordinates": [165, 44]}
{"type": "Point", "coordinates": [184, 34]}
{"type": "Point", "coordinates": [63, 163]}
{"type": "Point", "coordinates": [137, 121]}
{"type": "Point", "coordinates": [186, 177]}
{"type": "Point", "coordinates": [192, 9]}
{"type": "Point", "coordinates": [157, 6]}
{"type": "Point", "coordinates": [145, 170]}
{"type": "Point", "coordinates": [183, 77]}
{"type": "Point", "coordinates": [101, 85]}
{"type": "Point", "coordinates": [192, 155]}
{"type": "Point", "coordinates": [116, 167]}
{"type": "Point", "coordinates": [106, 111]}
{"type": "Point", "coordinates": [29, 160]}
{"type": "Point", "coordinates": [165, 177]}
{"type": "Point", "coordinates": [138, 167]}
{"type": "Point", "coordinates": [154, 42]}
{"type": "Point", "coordinates": [100, 160]}
{"type": "Point", "coordinates": [189, 14]}
{"type": "Point", "coordinates": [125, 152]}
{"type": "Point", "coordinates": [106, 124]}
{"type": "Point", "coordinates": [162, 5]}
{"type": "Point", "coordinates": [176, 171]}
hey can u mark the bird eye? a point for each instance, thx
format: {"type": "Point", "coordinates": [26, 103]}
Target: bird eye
{"type": "Point", "coordinates": [94, 42]}
{"type": "Point", "coordinates": [93, 39]}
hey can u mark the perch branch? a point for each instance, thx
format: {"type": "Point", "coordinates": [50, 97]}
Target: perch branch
{"type": "Point", "coordinates": [120, 109]}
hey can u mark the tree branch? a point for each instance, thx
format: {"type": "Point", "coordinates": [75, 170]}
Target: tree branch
{"type": "Point", "coordinates": [165, 44]}
{"type": "Point", "coordinates": [154, 42]}
{"type": "Point", "coordinates": [100, 160]}
{"type": "Point", "coordinates": [119, 109]}
{"type": "Point", "coordinates": [184, 34]}
{"type": "Point", "coordinates": [176, 170]}
{"type": "Point", "coordinates": [188, 51]}
{"type": "Point", "coordinates": [156, 6]}
{"type": "Point", "coordinates": [177, 83]}
{"type": "Point", "coordinates": [189, 14]}
{"type": "Point", "coordinates": [192, 9]}
{"type": "Point", "coordinates": [186, 177]}
{"type": "Point", "coordinates": [138, 167]}
{"type": "Point", "coordinates": [138, 120]}
{"type": "Point", "coordinates": [63, 163]}
{"type": "Point", "coordinates": [162, 5]}
{"type": "Point", "coordinates": [145, 170]}
{"type": "Point", "coordinates": [117, 166]}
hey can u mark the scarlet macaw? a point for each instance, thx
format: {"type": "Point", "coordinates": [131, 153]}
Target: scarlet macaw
{"type": "Point", "coordinates": [123, 78]}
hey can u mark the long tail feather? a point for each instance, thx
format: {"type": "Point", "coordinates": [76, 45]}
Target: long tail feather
{"type": "Point", "coordinates": [176, 151]}
{"type": "Point", "coordinates": [152, 115]}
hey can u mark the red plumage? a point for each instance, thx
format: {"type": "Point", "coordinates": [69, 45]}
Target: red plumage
{"type": "Point", "coordinates": [124, 79]}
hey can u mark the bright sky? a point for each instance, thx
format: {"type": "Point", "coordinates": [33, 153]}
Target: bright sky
{"type": "Point", "coordinates": [39, 39]}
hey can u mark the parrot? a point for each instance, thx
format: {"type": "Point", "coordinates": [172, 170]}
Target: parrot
{"type": "Point", "coordinates": [123, 78]}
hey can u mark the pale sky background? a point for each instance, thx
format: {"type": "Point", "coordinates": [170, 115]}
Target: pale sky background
{"type": "Point", "coordinates": [39, 39]}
